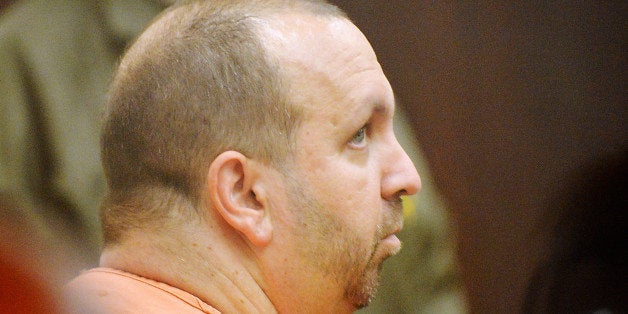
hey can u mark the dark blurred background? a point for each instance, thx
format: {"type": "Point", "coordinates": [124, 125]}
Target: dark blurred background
{"type": "Point", "coordinates": [508, 100]}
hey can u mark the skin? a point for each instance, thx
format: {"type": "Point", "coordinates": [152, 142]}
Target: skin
{"type": "Point", "coordinates": [309, 237]}
{"type": "Point", "coordinates": [348, 172]}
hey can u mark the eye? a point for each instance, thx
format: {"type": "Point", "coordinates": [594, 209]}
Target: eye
{"type": "Point", "coordinates": [359, 138]}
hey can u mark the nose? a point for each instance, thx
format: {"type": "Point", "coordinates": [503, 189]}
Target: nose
{"type": "Point", "coordinates": [400, 177]}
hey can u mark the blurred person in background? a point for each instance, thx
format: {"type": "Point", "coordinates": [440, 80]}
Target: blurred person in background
{"type": "Point", "coordinates": [56, 60]}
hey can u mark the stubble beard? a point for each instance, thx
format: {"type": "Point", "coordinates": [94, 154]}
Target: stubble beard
{"type": "Point", "coordinates": [342, 258]}
{"type": "Point", "coordinates": [364, 288]}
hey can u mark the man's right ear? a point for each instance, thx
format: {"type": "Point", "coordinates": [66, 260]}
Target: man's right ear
{"type": "Point", "coordinates": [232, 184]}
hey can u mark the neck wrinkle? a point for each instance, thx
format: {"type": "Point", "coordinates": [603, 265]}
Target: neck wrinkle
{"type": "Point", "coordinates": [202, 264]}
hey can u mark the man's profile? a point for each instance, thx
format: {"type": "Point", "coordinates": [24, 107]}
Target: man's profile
{"type": "Point", "coordinates": [251, 165]}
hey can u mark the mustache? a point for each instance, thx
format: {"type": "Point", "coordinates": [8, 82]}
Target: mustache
{"type": "Point", "coordinates": [395, 204]}
{"type": "Point", "coordinates": [393, 216]}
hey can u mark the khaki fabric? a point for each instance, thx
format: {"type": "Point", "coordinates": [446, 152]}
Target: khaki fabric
{"type": "Point", "coordinates": [56, 60]}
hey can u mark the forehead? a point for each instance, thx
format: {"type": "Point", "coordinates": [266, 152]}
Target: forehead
{"type": "Point", "coordinates": [328, 64]}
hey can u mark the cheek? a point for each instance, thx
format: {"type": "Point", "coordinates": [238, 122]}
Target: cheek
{"type": "Point", "coordinates": [359, 190]}
{"type": "Point", "coordinates": [342, 184]}
{"type": "Point", "coordinates": [354, 196]}
{"type": "Point", "coordinates": [342, 181]}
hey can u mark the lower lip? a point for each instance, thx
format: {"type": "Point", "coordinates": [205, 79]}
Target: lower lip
{"type": "Point", "coordinates": [392, 242]}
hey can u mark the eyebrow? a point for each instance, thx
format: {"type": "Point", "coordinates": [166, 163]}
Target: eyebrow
{"type": "Point", "coordinates": [382, 108]}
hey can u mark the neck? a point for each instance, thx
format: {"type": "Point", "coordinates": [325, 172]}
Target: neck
{"type": "Point", "coordinates": [196, 261]}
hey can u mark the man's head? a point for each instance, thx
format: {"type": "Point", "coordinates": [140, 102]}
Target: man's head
{"type": "Point", "coordinates": [272, 121]}
{"type": "Point", "coordinates": [198, 82]}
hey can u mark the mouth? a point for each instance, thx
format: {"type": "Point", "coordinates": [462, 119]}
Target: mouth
{"type": "Point", "coordinates": [394, 227]}
{"type": "Point", "coordinates": [391, 244]}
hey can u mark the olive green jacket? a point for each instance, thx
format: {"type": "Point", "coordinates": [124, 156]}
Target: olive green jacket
{"type": "Point", "coordinates": [56, 59]}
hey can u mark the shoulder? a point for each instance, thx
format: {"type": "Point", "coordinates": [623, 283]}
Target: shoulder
{"type": "Point", "coordinates": [105, 290]}
{"type": "Point", "coordinates": [30, 15]}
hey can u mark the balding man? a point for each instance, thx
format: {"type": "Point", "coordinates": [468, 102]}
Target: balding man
{"type": "Point", "coordinates": [251, 165]}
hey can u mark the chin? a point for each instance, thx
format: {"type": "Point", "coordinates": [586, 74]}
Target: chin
{"type": "Point", "coordinates": [364, 298]}
{"type": "Point", "coordinates": [362, 291]}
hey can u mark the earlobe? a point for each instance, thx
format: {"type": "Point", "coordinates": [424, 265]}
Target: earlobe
{"type": "Point", "coordinates": [235, 193]}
